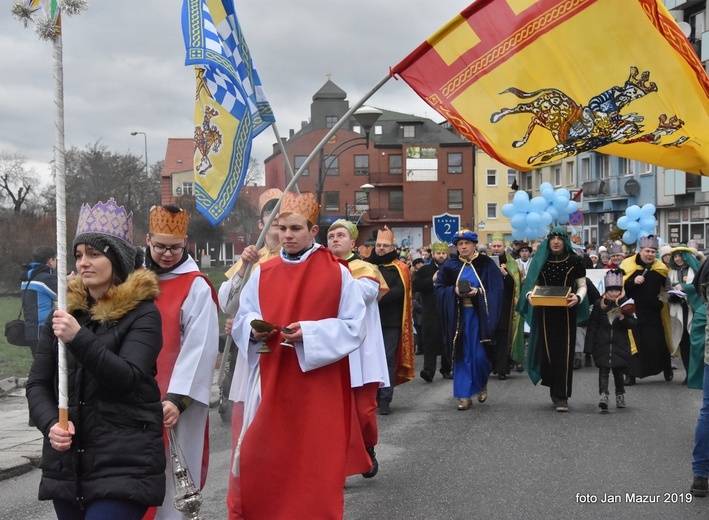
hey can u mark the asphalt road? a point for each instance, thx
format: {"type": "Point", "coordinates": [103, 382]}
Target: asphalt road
{"type": "Point", "coordinates": [512, 457]}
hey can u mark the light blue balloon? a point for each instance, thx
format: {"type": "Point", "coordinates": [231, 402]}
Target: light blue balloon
{"type": "Point", "coordinates": [538, 204]}
{"type": "Point", "coordinates": [518, 221]}
{"type": "Point", "coordinates": [560, 203]}
{"type": "Point", "coordinates": [533, 219]}
{"type": "Point", "coordinates": [629, 238]}
{"type": "Point", "coordinates": [634, 227]}
{"type": "Point", "coordinates": [572, 207]}
{"type": "Point", "coordinates": [622, 222]}
{"type": "Point", "coordinates": [563, 192]}
{"type": "Point", "coordinates": [648, 224]}
{"type": "Point", "coordinates": [521, 201]}
{"type": "Point", "coordinates": [563, 218]}
{"type": "Point", "coordinates": [544, 186]}
{"type": "Point", "coordinates": [548, 195]}
{"type": "Point", "coordinates": [517, 234]}
{"type": "Point", "coordinates": [545, 219]}
{"type": "Point", "coordinates": [648, 210]}
{"type": "Point", "coordinates": [633, 212]}
{"type": "Point", "coordinates": [529, 233]}
{"type": "Point", "coordinates": [509, 210]}
{"type": "Point", "coordinates": [551, 210]}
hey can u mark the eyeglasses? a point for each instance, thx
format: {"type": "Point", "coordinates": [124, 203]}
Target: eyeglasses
{"type": "Point", "coordinates": [384, 246]}
{"type": "Point", "coordinates": [174, 250]}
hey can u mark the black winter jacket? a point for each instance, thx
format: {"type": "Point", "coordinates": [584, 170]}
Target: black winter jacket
{"type": "Point", "coordinates": [609, 343]}
{"type": "Point", "coordinates": [118, 451]}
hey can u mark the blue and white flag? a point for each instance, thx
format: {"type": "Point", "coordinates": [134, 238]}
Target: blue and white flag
{"type": "Point", "coordinates": [230, 106]}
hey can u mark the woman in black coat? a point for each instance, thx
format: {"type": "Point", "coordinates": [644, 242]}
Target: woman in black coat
{"type": "Point", "coordinates": [109, 463]}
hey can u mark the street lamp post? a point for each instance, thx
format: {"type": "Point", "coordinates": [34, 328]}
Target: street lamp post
{"type": "Point", "coordinates": [366, 117]}
{"type": "Point", "coordinates": [366, 188]}
{"type": "Point", "coordinates": [145, 138]}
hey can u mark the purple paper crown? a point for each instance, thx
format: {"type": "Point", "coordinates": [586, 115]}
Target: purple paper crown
{"type": "Point", "coordinates": [106, 218]}
{"type": "Point", "coordinates": [649, 241]}
{"type": "Point", "coordinates": [613, 279]}
{"type": "Point", "coordinates": [615, 249]}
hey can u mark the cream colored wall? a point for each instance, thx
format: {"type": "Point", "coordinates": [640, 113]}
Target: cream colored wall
{"type": "Point", "coordinates": [485, 194]}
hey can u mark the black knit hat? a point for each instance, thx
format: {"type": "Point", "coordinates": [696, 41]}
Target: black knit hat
{"type": "Point", "coordinates": [124, 257]}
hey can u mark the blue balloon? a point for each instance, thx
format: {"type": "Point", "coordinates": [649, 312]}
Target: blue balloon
{"type": "Point", "coordinates": [509, 210]}
{"type": "Point", "coordinates": [529, 233]}
{"type": "Point", "coordinates": [563, 218]}
{"type": "Point", "coordinates": [538, 204]}
{"type": "Point", "coordinates": [634, 227]}
{"type": "Point", "coordinates": [648, 224]}
{"type": "Point", "coordinates": [622, 222]}
{"type": "Point", "coordinates": [545, 219]}
{"type": "Point", "coordinates": [517, 234]}
{"type": "Point", "coordinates": [548, 195]}
{"type": "Point", "coordinates": [563, 192]}
{"type": "Point", "coordinates": [648, 210]}
{"type": "Point", "coordinates": [551, 210]}
{"type": "Point", "coordinates": [533, 219]}
{"type": "Point", "coordinates": [544, 186]}
{"type": "Point", "coordinates": [572, 207]}
{"type": "Point", "coordinates": [629, 238]}
{"type": "Point", "coordinates": [521, 201]}
{"type": "Point", "coordinates": [560, 203]}
{"type": "Point", "coordinates": [633, 212]}
{"type": "Point", "coordinates": [518, 221]}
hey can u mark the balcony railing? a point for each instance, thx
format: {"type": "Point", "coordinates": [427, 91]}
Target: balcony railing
{"type": "Point", "coordinates": [607, 187]}
{"type": "Point", "coordinates": [379, 178]}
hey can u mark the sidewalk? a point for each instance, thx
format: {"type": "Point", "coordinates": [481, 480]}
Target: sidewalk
{"type": "Point", "coordinates": [20, 444]}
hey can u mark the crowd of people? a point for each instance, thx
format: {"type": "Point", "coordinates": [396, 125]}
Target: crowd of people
{"type": "Point", "coordinates": [324, 333]}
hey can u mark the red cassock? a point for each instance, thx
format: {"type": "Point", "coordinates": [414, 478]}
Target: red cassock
{"type": "Point", "coordinates": [293, 453]}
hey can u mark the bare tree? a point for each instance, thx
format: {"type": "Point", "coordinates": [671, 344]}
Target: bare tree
{"type": "Point", "coordinates": [16, 182]}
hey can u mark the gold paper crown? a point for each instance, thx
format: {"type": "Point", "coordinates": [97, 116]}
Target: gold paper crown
{"type": "Point", "coordinates": [269, 194]}
{"type": "Point", "coordinates": [497, 237]}
{"type": "Point", "coordinates": [386, 235]}
{"type": "Point", "coordinates": [167, 223]}
{"type": "Point", "coordinates": [349, 226]}
{"type": "Point", "coordinates": [304, 204]}
{"type": "Point", "coordinates": [107, 219]}
{"type": "Point", "coordinates": [439, 247]}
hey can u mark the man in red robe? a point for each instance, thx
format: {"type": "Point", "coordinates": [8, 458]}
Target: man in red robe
{"type": "Point", "coordinates": [291, 455]}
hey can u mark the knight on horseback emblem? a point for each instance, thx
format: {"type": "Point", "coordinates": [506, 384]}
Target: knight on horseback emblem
{"type": "Point", "coordinates": [207, 140]}
{"type": "Point", "coordinates": [577, 128]}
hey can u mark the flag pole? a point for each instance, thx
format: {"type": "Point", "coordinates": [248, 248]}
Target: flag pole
{"type": "Point", "coordinates": [282, 148]}
{"type": "Point", "coordinates": [60, 179]}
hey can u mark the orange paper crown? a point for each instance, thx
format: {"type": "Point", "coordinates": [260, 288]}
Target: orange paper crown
{"type": "Point", "coordinates": [269, 194]}
{"type": "Point", "coordinates": [168, 223]}
{"type": "Point", "coordinates": [385, 235]}
{"type": "Point", "coordinates": [304, 204]}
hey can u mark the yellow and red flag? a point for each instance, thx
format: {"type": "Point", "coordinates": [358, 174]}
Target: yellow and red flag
{"type": "Point", "coordinates": [534, 81]}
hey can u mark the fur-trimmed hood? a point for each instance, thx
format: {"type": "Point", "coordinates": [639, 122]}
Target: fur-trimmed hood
{"type": "Point", "coordinates": [120, 299]}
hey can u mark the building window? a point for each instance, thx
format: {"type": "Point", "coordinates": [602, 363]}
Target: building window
{"type": "Point", "coordinates": [361, 200]}
{"type": "Point", "coordinates": [511, 176]}
{"type": "Point", "coordinates": [570, 177]}
{"type": "Point", "coordinates": [586, 169]}
{"type": "Point", "coordinates": [299, 160]}
{"type": "Point", "coordinates": [378, 130]}
{"type": "Point", "coordinates": [455, 162]}
{"type": "Point", "coordinates": [332, 166]}
{"type": "Point", "coordinates": [396, 200]}
{"type": "Point", "coordinates": [539, 178]}
{"type": "Point", "coordinates": [357, 129]}
{"type": "Point", "coordinates": [409, 131]}
{"type": "Point", "coordinates": [556, 175]}
{"type": "Point", "coordinates": [604, 167]}
{"type": "Point", "coordinates": [332, 201]}
{"type": "Point", "coordinates": [644, 168]}
{"type": "Point", "coordinates": [186, 188]}
{"type": "Point", "coordinates": [395, 164]}
{"type": "Point", "coordinates": [527, 181]}
{"type": "Point", "coordinates": [492, 210]}
{"type": "Point", "coordinates": [361, 164]}
{"type": "Point", "coordinates": [455, 199]}
{"type": "Point", "coordinates": [491, 177]}
{"type": "Point", "coordinates": [331, 121]}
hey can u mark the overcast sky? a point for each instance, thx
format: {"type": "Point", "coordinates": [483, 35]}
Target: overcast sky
{"type": "Point", "coordinates": [124, 68]}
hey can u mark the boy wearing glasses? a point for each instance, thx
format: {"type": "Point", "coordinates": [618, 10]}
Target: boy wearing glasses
{"type": "Point", "coordinates": [190, 331]}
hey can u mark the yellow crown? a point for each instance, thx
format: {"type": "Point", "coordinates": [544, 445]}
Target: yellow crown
{"type": "Point", "coordinates": [167, 223]}
{"type": "Point", "coordinates": [269, 194]}
{"type": "Point", "coordinates": [304, 204]}
{"type": "Point", "coordinates": [385, 235]}
{"type": "Point", "coordinates": [439, 247]}
{"type": "Point", "coordinates": [497, 237]}
{"type": "Point", "coordinates": [349, 226]}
